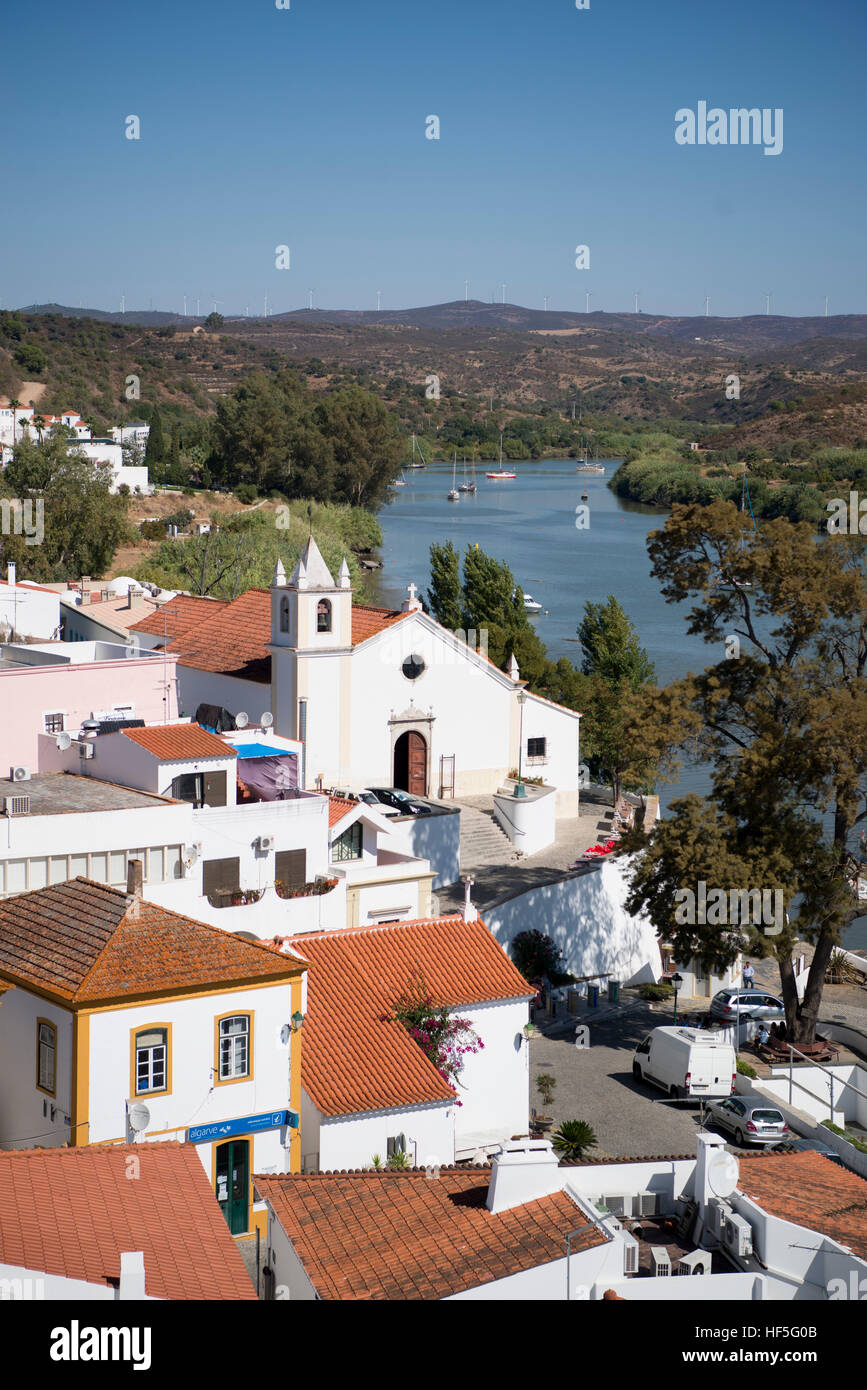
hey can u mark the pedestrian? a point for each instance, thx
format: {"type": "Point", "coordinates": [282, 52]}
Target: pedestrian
{"type": "Point", "coordinates": [763, 1034]}
{"type": "Point", "coordinates": [749, 976]}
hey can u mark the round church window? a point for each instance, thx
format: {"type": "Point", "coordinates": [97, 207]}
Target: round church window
{"type": "Point", "coordinates": [413, 667]}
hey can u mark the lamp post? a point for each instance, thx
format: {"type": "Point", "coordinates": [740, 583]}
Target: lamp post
{"type": "Point", "coordinates": [520, 789]}
{"type": "Point", "coordinates": [677, 981]}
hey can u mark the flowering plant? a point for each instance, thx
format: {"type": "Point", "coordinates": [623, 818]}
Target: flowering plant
{"type": "Point", "coordinates": [444, 1038]}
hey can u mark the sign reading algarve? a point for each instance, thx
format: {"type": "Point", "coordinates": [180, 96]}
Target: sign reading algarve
{"type": "Point", "coordinates": [247, 1124]}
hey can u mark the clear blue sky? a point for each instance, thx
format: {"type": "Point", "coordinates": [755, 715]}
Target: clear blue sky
{"type": "Point", "coordinates": [306, 127]}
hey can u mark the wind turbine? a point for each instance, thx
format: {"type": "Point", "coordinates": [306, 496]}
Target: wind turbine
{"type": "Point", "coordinates": [185, 306]}
{"type": "Point", "coordinates": [216, 302]}
{"type": "Point", "coordinates": [466, 291]}
{"type": "Point", "coordinates": [706, 305]}
{"type": "Point", "coordinates": [122, 304]}
{"type": "Point", "coordinates": [546, 303]}
{"type": "Point", "coordinates": [503, 288]}
{"type": "Point", "coordinates": [266, 306]}
{"type": "Point", "coordinates": [378, 300]}
{"type": "Point", "coordinates": [587, 297]}
{"type": "Point", "coordinates": [768, 302]}
{"type": "Point", "coordinates": [826, 306]}
{"type": "Point", "coordinates": [635, 299]}
{"type": "Point", "coordinates": [309, 299]}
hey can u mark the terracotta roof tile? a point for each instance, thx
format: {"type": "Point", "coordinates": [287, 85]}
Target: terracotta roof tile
{"type": "Point", "coordinates": [809, 1190]}
{"type": "Point", "coordinates": [355, 1057]}
{"type": "Point", "coordinates": [83, 941]}
{"type": "Point", "coordinates": [338, 807]}
{"type": "Point", "coordinates": [405, 1236]}
{"type": "Point", "coordinates": [180, 742]}
{"type": "Point", "coordinates": [71, 1212]}
{"type": "Point", "coordinates": [233, 638]}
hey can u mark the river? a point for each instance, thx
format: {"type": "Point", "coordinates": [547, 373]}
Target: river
{"type": "Point", "coordinates": [529, 523]}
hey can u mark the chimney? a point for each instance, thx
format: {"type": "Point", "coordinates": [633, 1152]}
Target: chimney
{"type": "Point", "coordinates": [132, 1275]}
{"type": "Point", "coordinates": [10, 574]}
{"type": "Point", "coordinates": [134, 878]}
{"type": "Point", "coordinates": [523, 1171]}
{"type": "Point", "coordinates": [468, 912]}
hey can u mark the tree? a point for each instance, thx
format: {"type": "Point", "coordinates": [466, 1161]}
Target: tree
{"type": "Point", "coordinates": [784, 724]}
{"type": "Point", "coordinates": [444, 594]}
{"type": "Point", "coordinates": [156, 445]}
{"type": "Point", "coordinates": [31, 358]}
{"type": "Point", "coordinates": [619, 668]}
{"type": "Point", "coordinates": [611, 648]}
{"type": "Point", "coordinates": [214, 321]}
{"type": "Point", "coordinates": [14, 404]}
{"type": "Point", "coordinates": [366, 445]}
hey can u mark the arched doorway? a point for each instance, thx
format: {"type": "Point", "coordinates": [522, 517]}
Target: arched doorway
{"type": "Point", "coordinates": [410, 763]}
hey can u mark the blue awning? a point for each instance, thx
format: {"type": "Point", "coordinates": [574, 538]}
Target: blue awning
{"type": "Point", "coordinates": [261, 750]}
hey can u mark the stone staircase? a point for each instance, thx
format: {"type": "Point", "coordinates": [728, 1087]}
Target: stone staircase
{"type": "Point", "coordinates": [482, 840]}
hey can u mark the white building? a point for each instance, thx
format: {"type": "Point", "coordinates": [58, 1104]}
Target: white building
{"type": "Point", "coordinates": [377, 696]}
{"type": "Point", "coordinates": [19, 424]}
{"type": "Point", "coordinates": [126, 1018]}
{"type": "Point", "coordinates": [27, 610]}
{"type": "Point", "coordinates": [367, 1086]}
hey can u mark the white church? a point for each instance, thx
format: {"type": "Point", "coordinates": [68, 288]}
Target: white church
{"type": "Point", "coordinates": [376, 696]}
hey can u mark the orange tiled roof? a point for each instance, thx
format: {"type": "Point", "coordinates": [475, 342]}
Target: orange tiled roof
{"type": "Point", "coordinates": [809, 1190]}
{"type": "Point", "coordinates": [355, 1056]}
{"type": "Point", "coordinates": [178, 615]}
{"type": "Point", "coordinates": [338, 807]}
{"type": "Point", "coordinates": [83, 942]}
{"type": "Point", "coordinates": [71, 1212]}
{"type": "Point", "coordinates": [403, 1236]}
{"type": "Point", "coordinates": [233, 638]}
{"type": "Point", "coordinates": [177, 742]}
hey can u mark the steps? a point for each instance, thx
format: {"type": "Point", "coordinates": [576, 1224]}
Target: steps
{"type": "Point", "coordinates": [482, 840]}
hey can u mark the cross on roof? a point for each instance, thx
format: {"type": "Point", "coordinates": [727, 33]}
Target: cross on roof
{"type": "Point", "coordinates": [412, 591]}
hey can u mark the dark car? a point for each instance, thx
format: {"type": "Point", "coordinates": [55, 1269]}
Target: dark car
{"type": "Point", "coordinates": [400, 801]}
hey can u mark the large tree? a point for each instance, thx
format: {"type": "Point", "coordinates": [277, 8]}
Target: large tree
{"type": "Point", "coordinates": [444, 594]}
{"type": "Point", "coordinates": [784, 726]}
{"type": "Point", "coordinates": [615, 697]}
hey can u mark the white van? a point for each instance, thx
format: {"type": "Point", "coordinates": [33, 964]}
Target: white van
{"type": "Point", "coordinates": [686, 1062]}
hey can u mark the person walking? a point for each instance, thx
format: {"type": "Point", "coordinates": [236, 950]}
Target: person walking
{"type": "Point", "coordinates": [749, 976]}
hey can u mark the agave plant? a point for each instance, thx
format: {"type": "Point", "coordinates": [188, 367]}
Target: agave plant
{"type": "Point", "coordinates": [573, 1138]}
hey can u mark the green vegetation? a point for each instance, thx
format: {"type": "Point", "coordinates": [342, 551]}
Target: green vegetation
{"type": "Point", "coordinates": [546, 1085]}
{"type": "Point", "coordinates": [572, 1140]}
{"type": "Point", "coordinates": [535, 955]}
{"type": "Point", "coordinates": [653, 992]}
{"type": "Point", "coordinates": [240, 552]}
{"type": "Point", "coordinates": [745, 1069]}
{"type": "Point", "coordinates": [850, 1138]}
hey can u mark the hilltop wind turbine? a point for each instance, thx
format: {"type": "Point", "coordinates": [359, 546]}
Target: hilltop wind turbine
{"type": "Point", "coordinates": [826, 306]}
{"type": "Point", "coordinates": [266, 306]}
{"type": "Point", "coordinates": [768, 302]}
{"type": "Point", "coordinates": [185, 306]}
{"type": "Point", "coordinates": [123, 304]}
{"type": "Point", "coordinates": [503, 288]}
{"type": "Point", "coordinates": [378, 300]}
{"type": "Point", "coordinates": [309, 299]}
{"type": "Point", "coordinates": [466, 291]}
{"type": "Point", "coordinates": [546, 303]}
{"type": "Point", "coordinates": [216, 302]}
{"type": "Point", "coordinates": [635, 299]}
{"type": "Point", "coordinates": [706, 305]}
{"type": "Point", "coordinates": [587, 298]}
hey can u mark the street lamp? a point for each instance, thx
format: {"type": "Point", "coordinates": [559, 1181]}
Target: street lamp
{"type": "Point", "coordinates": [520, 789]}
{"type": "Point", "coordinates": [677, 981]}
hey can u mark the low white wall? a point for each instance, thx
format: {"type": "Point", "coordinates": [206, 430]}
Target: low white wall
{"type": "Point", "coordinates": [350, 1141]}
{"type": "Point", "coordinates": [706, 1288]}
{"type": "Point", "coordinates": [436, 838]}
{"type": "Point", "coordinates": [529, 821]}
{"type": "Point", "coordinates": [586, 917]}
{"type": "Point", "coordinates": [270, 916]}
{"type": "Point", "coordinates": [811, 1091]}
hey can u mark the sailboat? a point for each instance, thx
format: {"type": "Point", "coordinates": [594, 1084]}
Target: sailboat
{"type": "Point", "coordinates": [584, 464]}
{"type": "Point", "coordinates": [501, 472]}
{"type": "Point", "coordinates": [454, 495]}
{"type": "Point", "coordinates": [471, 486]}
{"type": "Point", "coordinates": [417, 451]}
{"type": "Point", "coordinates": [399, 482]}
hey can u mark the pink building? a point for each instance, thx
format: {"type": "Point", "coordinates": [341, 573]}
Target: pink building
{"type": "Point", "coordinates": [53, 687]}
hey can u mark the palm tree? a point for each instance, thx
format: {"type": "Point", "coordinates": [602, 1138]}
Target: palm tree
{"type": "Point", "coordinates": [39, 425]}
{"type": "Point", "coordinates": [572, 1138]}
{"type": "Point", "coordinates": [14, 403]}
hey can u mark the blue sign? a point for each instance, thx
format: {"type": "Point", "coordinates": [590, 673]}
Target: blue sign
{"type": "Point", "coordinates": [247, 1124]}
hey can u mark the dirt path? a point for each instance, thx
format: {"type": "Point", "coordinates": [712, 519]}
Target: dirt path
{"type": "Point", "coordinates": [29, 392]}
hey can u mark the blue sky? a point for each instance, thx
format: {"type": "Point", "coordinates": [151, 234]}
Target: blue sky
{"type": "Point", "coordinates": [306, 127]}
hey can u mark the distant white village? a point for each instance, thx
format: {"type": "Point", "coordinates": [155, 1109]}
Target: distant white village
{"type": "Point", "coordinates": [123, 450]}
{"type": "Point", "coordinates": [242, 845]}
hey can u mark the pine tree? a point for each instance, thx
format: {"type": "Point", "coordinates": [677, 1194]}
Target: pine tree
{"type": "Point", "coordinates": [156, 445]}
{"type": "Point", "coordinates": [611, 647]}
{"type": "Point", "coordinates": [444, 595]}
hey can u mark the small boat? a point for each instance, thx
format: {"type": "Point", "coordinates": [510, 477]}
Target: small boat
{"type": "Point", "coordinates": [468, 486]}
{"type": "Point", "coordinates": [399, 482]}
{"type": "Point", "coordinates": [530, 604]}
{"type": "Point", "coordinates": [417, 450]}
{"type": "Point", "coordinates": [584, 497]}
{"type": "Point", "coordinates": [501, 472]}
{"type": "Point", "coordinates": [590, 468]}
{"type": "Point", "coordinates": [454, 495]}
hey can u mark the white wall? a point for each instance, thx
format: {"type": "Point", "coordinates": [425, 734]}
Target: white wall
{"type": "Point", "coordinates": [586, 917]}
{"type": "Point", "coordinates": [210, 687]}
{"type": "Point", "coordinates": [436, 838]}
{"type": "Point", "coordinates": [30, 612]}
{"type": "Point", "coordinates": [529, 821]}
{"type": "Point", "coordinates": [811, 1092]}
{"type": "Point", "coordinates": [350, 1141]}
{"type": "Point", "coordinates": [494, 1084]}
{"type": "Point", "coordinates": [22, 1122]}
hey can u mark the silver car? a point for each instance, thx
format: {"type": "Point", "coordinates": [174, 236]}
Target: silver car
{"type": "Point", "coordinates": [749, 1003]}
{"type": "Point", "coordinates": [750, 1119]}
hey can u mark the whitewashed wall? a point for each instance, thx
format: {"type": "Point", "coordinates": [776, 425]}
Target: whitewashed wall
{"type": "Point", "coordinates": [436, 838]}
{"type": "Point", "coordinates": [210, 687]}
{"type": "Point", "coordinates": [350, 1141]}
{"type": "Point", "coordinates": [22, 1122]}
{"type": "Point", "coordinates": [495, 1083]}
{"type": "Point", "coordinates": [587, 919]}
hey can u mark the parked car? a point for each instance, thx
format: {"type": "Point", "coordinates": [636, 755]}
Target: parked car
{"type": "Point", "coordinates": [367, 796]}
{"type": "Point", "coordinates": [400, 801]}
{"type": "Point", "coordinates": [750, 1003]}
{"type": "Point", "coordinates": [751, 1119]}
{"type": "Point", "coordinates": [686, 1062]}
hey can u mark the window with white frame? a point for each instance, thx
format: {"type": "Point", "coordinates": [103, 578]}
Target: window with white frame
{"type": "Point", "coordinates": [151, 1060]}
{"type": "Point", "coordinates": [234, 1047]}
{"type": "Point", "coordinates": [47, 1056]}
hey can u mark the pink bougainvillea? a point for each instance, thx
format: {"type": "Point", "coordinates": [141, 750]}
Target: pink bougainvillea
{"type": "Point", "coordinates": [444, 1038]}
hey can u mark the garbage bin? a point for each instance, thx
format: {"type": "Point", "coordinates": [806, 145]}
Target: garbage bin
{"type": "Point", "coordinates": [572, 1001]}
{"type": "Point", "coordinates": [593, 996]}
{"type": "Point", "coordinates": [614, 991]}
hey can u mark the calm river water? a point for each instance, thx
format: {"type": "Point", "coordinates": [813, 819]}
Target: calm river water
{"type": "Point", "coordinates": [529, 522]}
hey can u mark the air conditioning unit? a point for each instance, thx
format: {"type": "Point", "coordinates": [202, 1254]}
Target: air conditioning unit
{"type": "Point", "coordinates": [265, 842]}
{"type": "Point", "coordinates": [19, 774]}
{"type": "Point", "coordinates": [617, 1205]}
{"type": "Point", "coordinates": [630, 1254]}
{"type": "Point", "coordinates": [738, 1235]}
{"type": "Point", "coordinates": [85, 750]}
{"type": "Point", "coordinates": [718, 1213]}
{"type": "Point", "coordinates": [16, 805]}
{"type": "Point", "coordinates": [646, 1204]}
{"type": "Point", "coordinates": [697, 1262]}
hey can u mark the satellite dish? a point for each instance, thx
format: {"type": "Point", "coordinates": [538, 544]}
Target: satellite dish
{"type": "Point", "coordinates": [723, 1173]}
{"type": "Point", "coordinates": [267, 719]}
{"type": "Point", "coordinates": [241, 720]}
{"type": "Point", "coordinates": [139, 1117]}
{"type": "Point", "coordinates": [64, 741]}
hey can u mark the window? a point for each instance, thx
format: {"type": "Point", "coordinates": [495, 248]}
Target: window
{"type": "Point", "coordinates": [151, 1060]}
{"type": "Point", "coordinates": [323, 615]}
{"type": "Point", "coordinates": [347, 845]}
{"type": "Point", "coordinates": [396, 1144]}
{"type": "Point", "coordinates": [284, 615]}
{"type": "Point", "coordinates": [201, 788]}
{"type": "Point", "coordinates": [46, 1060]}
{"type": "Point", "coordinates": [54, 722]}
{"type": "Point", "coordinates": [537, 748]}
{"type": "Point", "coordinates": [413, 667]}
{"type": "Point", "coordinates": [290, 868]}
{"type": "Point", "coordinates": [234, 1037]}
{"type": "Point", "coordinates": [221, 876]}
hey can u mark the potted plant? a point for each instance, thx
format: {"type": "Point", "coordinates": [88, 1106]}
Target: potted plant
{"type": "Point", "coordinates": [572, 1138]}
{"type": "Point", "coordinates": [546, 1084]}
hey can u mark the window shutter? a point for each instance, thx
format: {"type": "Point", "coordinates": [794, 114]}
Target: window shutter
{"type": "Point", "coordinates": [290, 867]}
{"type": "Point", "coordinates": [221, 875]}
{"type": "Point", "coordinates": [214, 789]}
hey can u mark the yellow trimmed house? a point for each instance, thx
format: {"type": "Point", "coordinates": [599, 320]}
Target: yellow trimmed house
{"type": "Point", "coordinates": [125, 1022]}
